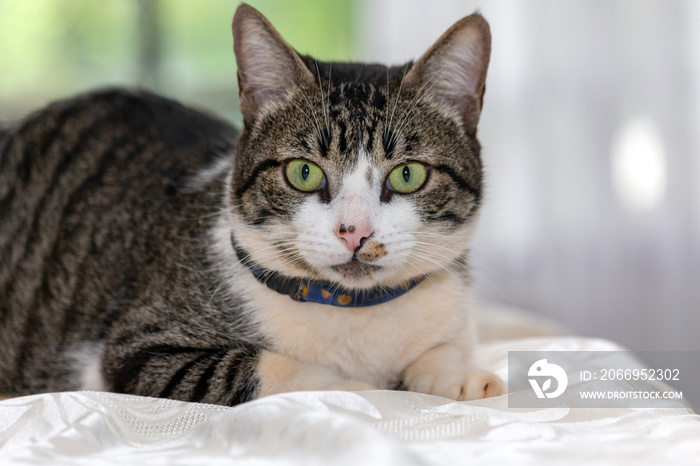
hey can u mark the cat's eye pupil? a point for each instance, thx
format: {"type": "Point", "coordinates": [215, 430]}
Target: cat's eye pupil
{"type": "Point", "coordinates": [407, 177]}
{"type": "Point", "coordinates": [304, 176]}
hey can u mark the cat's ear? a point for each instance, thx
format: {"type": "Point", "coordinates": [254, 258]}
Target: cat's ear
{"type": "Point", "coordinates": [267, 65]}
{"type": "Point", "coordinates": [453, 70]}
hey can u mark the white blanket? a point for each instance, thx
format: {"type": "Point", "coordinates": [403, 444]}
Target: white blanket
{"type": "Point", "coordinates": [377, 427]}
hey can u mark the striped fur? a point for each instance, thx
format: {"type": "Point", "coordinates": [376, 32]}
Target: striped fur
{"type": "Point", "coordinates": [117, 208]}
{"type": "Point", "coordinates": [100, 244]}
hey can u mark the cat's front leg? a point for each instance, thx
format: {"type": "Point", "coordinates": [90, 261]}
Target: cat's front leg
{"type": "Point", "coordinates": [444, 371]}
{"type": "Point", "coordinates": [278, 374]}
{"type": "Point", "coordinates": [174, 369]}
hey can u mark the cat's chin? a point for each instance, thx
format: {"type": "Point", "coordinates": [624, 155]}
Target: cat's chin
{"type": "Point", "coordinates": [356, 272]}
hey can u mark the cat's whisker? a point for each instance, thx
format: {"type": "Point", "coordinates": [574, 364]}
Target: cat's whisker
{"type": "Point", "coordinates": [308, 101]}
{"type": "Point", "coordinates": [307, 117]}
{"type": "Point", "coordinates": [427, 244]}
{"type": "Point", "coordinates": [290, 259]}
{"type": "Point", "coordinates": [450, 260]}
{"type": "Point", "coordinates": [404, 119]}
{"type": "Point", "coordinates": [270, 273]}
{"type": "Point", "coordinates": [481, 265]}
{"type": "Point", "coordinates": [201, 217]}
{"type": "Point", "coordinates": [433, 254]}
{"type": "Point", "coordinates": [313, 123]}
{"type": "Point", "coordinates": [429, 233]}
{"type": "Point", "coordinates": [323, 104]}
{"type": "Point", "coordinates": [388, 96]}
{"type": "Point", "coordinates": [489, 289]}
{"type": "Point", "coordinates": [198, 271]}
{"type": "Point", "coordinates": [221, 280]}
{"type": "Point", "coordinates": [229, 270]}
{"type": "Point", "coordinates": [417, 98]}
{"type": "Point", "coordinates": [423, 243]}
{"type": "Point", "coordinates": [313, 110]}
{"type": "Point", "coordinates": [396, 102]}
{"type": "Point", "coordinates": [420, 271]}
{"type": "Point", "coordinates": [439, 236]}
{"type": "Point", "coordinates": [328, 123]}
{"type": "Point", "coordinates": [275, 249]}
{"type": "Point", "coordinates": [457, 254]}
{"type": "Point", "coordinates": [330, 74]}
{"type": "Point", "coordinates": [441, 266]}
{"type": "Point", "coordinates": [437, 254]}
{"type": "Point", "coordinates": [422, 90]}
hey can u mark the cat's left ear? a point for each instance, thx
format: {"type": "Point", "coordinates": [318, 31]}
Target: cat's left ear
{"type": "Point", "coordinates": [454, 69]}
{"type": "Point", "coordinates": [268, 67]}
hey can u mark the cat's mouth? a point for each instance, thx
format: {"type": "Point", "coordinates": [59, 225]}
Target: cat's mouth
{"type": "Point", "coordinates": [355, 269]}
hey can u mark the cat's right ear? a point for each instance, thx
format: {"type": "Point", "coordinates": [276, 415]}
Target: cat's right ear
{"type": "Point", "coordinates": [267, 65]}
{"type": "Point", "coordinates": [454, 69]}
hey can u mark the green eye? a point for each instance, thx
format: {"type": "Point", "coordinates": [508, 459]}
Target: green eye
{"type": "Point", "coordinates": [407, 177]}
{"type": "Point", "coordinates": [304, 175]}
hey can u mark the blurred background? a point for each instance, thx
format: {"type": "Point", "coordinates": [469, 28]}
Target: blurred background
{"type": "Point", "coordinates": [590, 131]}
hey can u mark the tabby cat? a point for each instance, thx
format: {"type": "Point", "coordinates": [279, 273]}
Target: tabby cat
{"type": "Point", "coordinates": [151, 249]}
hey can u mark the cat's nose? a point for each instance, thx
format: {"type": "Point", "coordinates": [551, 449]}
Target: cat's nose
{"type": "Point", "coordinates": [353, 235]}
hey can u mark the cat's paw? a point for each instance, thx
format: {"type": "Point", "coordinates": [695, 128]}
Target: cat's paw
{"type": "Point", "coordinates": [481, 384]}
{"type": "Point", "coordinates": [474, 385]}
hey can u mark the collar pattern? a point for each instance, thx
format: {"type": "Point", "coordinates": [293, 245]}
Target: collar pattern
{"type": "Point", "coordinates": [307, 290]}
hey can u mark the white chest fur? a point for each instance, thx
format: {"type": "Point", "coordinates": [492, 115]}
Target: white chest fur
{"type": "Point", "coordinates": [372, 344]}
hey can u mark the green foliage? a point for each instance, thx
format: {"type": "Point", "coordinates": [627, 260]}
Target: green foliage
{"type": "Point", "coordinates": [50, 46]}
{"type": "Point", "coordinates": [55, 48]}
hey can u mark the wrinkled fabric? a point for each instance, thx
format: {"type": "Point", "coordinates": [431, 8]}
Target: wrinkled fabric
{"type": "Point", "coordinates": [374, 427]}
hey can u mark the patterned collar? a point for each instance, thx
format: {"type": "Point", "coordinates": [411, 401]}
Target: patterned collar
{"type": "Point", "coordinates": [307, 290]}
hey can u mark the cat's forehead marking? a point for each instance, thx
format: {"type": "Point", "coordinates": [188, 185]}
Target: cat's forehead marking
{"type": "Point", "coordinates": [360, 178]}
{"type": "Point", "coordinates": [366, 165]}
{"type": "Point", "coordinates": [356, 112]}
{"type": "Point", "coordinates": [370, 175]}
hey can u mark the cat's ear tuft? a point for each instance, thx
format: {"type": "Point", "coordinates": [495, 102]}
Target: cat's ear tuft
{"type": "Point", "coordinates": [267, 65]}
{"type": "Point", "coordinates": [454, 69]}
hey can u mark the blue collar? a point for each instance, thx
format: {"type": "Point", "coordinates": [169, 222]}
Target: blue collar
{"type": "Point", "coordinates": [307, 290]}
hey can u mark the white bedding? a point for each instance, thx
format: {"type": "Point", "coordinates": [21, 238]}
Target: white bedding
{"type": "Point", "coordinates": [377, 427]}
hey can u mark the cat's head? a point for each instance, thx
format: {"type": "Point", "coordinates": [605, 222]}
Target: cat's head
{"type": "Point", "coordinates": [357, 174]}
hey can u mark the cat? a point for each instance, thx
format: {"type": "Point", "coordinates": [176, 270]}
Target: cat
{"type": "Point", "coordinates": [152, 249]}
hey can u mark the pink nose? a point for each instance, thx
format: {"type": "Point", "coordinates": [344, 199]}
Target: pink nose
{"type": "Point", "coordinates": [353, 235]}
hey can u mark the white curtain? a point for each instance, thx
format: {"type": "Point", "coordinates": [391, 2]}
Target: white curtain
{"type": "Point", "coordinates": [591, 141]}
